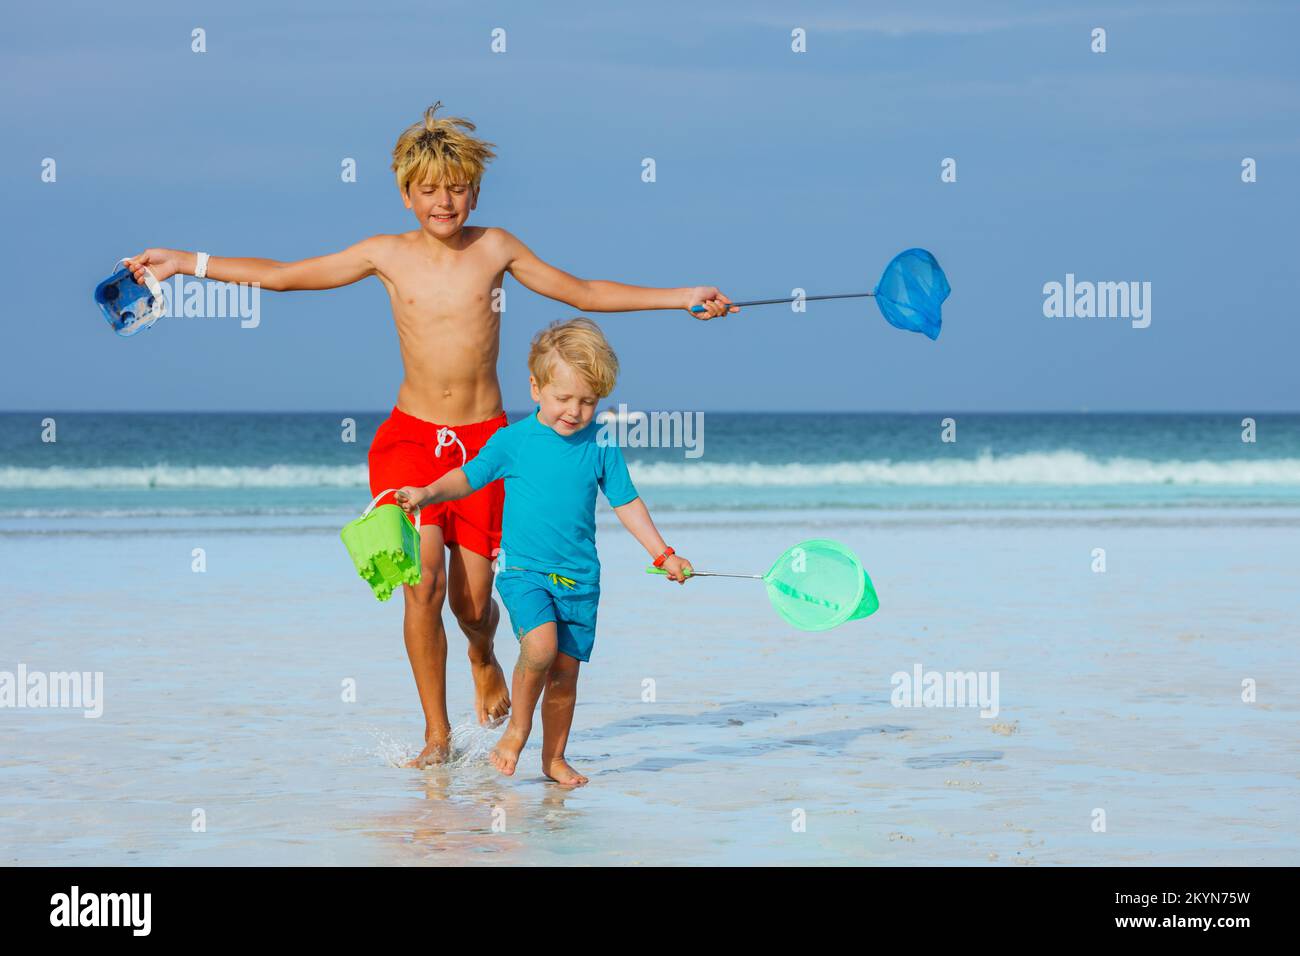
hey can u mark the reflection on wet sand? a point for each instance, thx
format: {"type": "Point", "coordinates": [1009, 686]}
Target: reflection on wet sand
{"type": "Point", "coordinates": [471, 814]}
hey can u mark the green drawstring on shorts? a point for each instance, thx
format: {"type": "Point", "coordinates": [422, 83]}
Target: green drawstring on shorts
{"type": "Point", "coordinates": [559, 579]}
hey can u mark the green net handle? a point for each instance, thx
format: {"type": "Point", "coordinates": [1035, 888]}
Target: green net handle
{"type": "Point", "coordinates": [388, 491]}
{"type": "Point", "coordinates": [653, 570]}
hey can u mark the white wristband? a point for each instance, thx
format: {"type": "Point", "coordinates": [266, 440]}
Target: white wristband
{"type": "Point", "coordinates": [201, 265]}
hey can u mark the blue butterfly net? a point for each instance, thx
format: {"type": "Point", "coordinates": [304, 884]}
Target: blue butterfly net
{"type": "Point", "coordinates": [911, 292]}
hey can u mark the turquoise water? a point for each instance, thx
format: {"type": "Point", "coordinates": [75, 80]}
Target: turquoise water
{"type": "Point", "coordinates": [297, 466]}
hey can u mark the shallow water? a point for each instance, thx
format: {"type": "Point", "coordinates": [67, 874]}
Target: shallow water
{"type": "Point", "coordinates": [1119, 691]}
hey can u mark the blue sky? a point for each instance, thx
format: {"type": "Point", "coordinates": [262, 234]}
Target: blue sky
{"type": "Point", "coordinates": [775, 170]}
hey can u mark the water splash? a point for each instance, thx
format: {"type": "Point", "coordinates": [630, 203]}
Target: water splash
{"type": "Point", "coordinates": [390, 750]}
{"type": "Point", "coordinates": [470, 745]}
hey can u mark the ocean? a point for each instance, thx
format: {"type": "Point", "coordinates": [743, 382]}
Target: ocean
{"type": "Point", "coordinates": [123, 470]}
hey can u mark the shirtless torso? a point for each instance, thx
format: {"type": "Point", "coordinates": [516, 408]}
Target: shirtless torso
{"type": "Point", "coordinates": [448, 323]}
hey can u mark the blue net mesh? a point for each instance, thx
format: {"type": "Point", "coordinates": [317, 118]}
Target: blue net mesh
{"type": "Point", "coordinates": [911, 292]}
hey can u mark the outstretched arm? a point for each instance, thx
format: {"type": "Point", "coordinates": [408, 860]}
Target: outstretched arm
{"type": "Point", "coordinates": [322, 272]}
{"type": "Point", "coordinates": [597, 295]}
{"type": "Point", "coordinates": [449, 487]}
{"type": "Point", "coordinates": [636, 518]}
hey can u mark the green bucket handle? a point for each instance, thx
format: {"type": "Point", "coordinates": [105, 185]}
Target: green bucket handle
{"type": "Point", "coordinates": [379, 497]}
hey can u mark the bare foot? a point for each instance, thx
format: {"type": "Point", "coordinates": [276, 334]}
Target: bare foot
{"type": "Point", "coordinates": [558, 769]}
{"type": "Point", "coordinates": [491, 695]}
{"type": "Point", "coordinates": [505, 754]}
{"type": "Point", "coordinates": [437, 748]}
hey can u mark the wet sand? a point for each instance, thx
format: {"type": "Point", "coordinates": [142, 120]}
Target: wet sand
{"type": "Point", "coordinates": [1118, 691]}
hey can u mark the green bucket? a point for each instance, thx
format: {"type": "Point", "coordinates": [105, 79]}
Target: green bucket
{"type": "Point", "coordinates": [385, 547]}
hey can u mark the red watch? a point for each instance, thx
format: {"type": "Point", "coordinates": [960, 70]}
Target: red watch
{"type": "Point", "coordinates": [659, 561]}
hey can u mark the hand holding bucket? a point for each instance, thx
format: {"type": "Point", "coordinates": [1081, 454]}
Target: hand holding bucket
{"type": "Point", "coordinates": [385, 546]}
{"type": "Point", "coordinates": [129, 306]}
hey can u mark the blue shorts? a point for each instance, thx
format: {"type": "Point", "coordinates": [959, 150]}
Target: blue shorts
{"type": "Point", "coordinates": [533, 598]}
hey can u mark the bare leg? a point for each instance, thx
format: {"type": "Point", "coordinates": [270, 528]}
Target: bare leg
{"type": "Point", "coordinates": [469, 591]}
{"type": "Point", "coordinates": [537, 653]}
{"type": "Point", "coordinates": [557, 718]}
{"type": "Point", "coordinates": [426, 646]}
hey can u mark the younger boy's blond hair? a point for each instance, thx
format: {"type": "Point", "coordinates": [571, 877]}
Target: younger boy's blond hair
{"type": "Point", "coordinates": [581, 345]}
{"type": "Point", "coordinates": [440, 151]}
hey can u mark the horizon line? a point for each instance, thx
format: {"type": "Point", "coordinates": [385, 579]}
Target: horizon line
{"type": "Point", "coordinates": [715, 411]}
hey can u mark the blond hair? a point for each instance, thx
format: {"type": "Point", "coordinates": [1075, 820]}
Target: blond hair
{"type": "Point", "coordinates": [581, 345]}
{"type": "Point", "coordinates": [440, 151]}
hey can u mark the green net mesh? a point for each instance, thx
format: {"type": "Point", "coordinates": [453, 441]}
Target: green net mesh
{"type": "Point", "coordinates": [820, 584]}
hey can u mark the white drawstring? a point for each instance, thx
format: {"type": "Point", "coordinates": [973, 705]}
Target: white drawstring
{"type": "Point", "coordinates": [447, 438]}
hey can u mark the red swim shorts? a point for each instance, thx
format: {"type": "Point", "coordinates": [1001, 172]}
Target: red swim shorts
{"type": "Point", "coordinates": [410, 451]}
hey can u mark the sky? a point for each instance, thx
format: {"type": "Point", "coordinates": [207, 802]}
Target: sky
{"type": "Point", "coordinates": [775, 170]}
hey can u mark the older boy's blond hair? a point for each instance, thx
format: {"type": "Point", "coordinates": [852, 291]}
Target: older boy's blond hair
{"type": "Point", "coordinates": [581, 345]}
{"type": "Point", "coordinates": [440, 151]}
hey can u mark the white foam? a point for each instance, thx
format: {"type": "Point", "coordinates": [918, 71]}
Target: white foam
{"type": "Point", "coordinates": [179, 477]}
{"type": "Point", "coordinates": [1033, 468]}
{"type": "Point", "coordinates": [138, 513]}
{"type": "Point", "coordinates": [1065, 468]}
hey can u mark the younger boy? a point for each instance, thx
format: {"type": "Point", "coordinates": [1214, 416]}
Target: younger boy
{"type": "Point", "coordinates": [549, 573]}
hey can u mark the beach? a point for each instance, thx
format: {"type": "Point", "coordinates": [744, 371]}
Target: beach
{"type": "Point", "coordinates": [712, 732]}
{"type": "Point", "coordinates": [1000, 298]}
